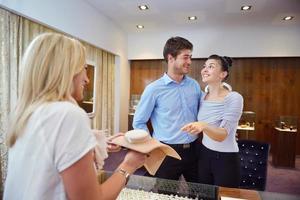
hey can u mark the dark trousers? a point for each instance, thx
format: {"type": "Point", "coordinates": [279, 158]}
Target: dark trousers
{"type": "Point", "coordinates": [218, 168]}
{"type": "Point", "coordinates": [172, 168]}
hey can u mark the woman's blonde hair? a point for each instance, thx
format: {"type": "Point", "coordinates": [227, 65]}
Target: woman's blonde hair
{"type": "Point", "coordinates": [46, 74]}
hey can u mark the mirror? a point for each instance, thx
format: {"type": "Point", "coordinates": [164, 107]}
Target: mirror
{"type": "Point", "coordinates": [89, 93]}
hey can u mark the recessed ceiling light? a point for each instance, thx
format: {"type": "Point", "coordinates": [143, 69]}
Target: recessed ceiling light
{"type": "Point", "coordinates": [143, 7]}
{"type": "Point", "coordinates": [140, 26]}
{"type": "Point", "coordinates": [246, 7]}
{"type": "Point", "coordinates": [287, 18]}
{"type": "Point", "coordinates": [192, 18]}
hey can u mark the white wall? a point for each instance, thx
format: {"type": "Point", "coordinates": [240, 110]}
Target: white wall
{"type": "Point", "coordinates": [281, 41]}
{"type": "Point", "coordinates": [81, 20]}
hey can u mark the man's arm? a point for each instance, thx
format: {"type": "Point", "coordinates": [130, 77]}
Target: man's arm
{"type": "Point", "coordinates": [144, 110]}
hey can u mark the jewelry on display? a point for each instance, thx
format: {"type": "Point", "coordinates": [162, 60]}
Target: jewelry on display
{"type": "Point", "coordinates": [128, 194]}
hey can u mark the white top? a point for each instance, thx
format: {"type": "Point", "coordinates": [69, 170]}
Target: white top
{"type": "Point", "coordinates": [225, 114]}
{"type": "Point", "coordinates": [56, 136]}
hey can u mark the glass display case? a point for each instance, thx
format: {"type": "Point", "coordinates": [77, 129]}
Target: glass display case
{"type": "Point", "coordinates": [143, 187]}
{"type": "Point", "coordinates": [134, 100]}
{"type": "Point", "coordinates": [149, 188]}
{"type": "Point", "coordinates": [247, 120]}
{"type": "Point", "coordinates": [246, 125]}
{"type": "Point", "coordinates": [133, 104]}
{"type": "Point", "coordinates": [286, 123]}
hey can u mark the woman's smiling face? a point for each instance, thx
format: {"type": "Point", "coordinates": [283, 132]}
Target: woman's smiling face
{"type": "Point", "coordinates": [212, 72]}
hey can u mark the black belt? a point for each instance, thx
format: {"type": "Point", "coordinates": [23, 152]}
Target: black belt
{"type": "Point", "coordinates": [181, 146]}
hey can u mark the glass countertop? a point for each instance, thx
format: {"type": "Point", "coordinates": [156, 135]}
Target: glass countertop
{"type": "Point", "coordinates": [150, 187]}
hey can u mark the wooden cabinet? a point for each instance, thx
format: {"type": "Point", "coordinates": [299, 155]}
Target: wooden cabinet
{"type": "Point", "coordinates": [284, 147]}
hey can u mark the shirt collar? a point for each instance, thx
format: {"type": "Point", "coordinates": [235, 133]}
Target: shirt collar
{"type": "Point", "coordinates": [167, 79]}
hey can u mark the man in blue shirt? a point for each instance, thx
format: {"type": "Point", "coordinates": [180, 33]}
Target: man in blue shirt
{"type": "Point", "coordinates": [170, 103]}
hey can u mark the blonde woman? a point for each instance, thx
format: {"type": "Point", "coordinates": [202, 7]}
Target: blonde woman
{"type": "Point", "coordinates": [50, 140]}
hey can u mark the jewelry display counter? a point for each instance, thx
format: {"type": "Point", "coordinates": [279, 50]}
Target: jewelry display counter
{"type": "Point", "coordinates": [246, 127]}
{"type": "Point", "coordinates": [284, 147]}
{"type": "Point", "coordinates": [148, 188]}
{"type": "Point", "coordinates": [143, 187]}
{"type": "Point", "coordinates": [284, 142]}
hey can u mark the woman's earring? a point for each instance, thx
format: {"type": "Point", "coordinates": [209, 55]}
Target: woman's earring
{"type": "Point", "coordinates": [227, 86]}
{"type": "Point", "coordinates": [206, 89]}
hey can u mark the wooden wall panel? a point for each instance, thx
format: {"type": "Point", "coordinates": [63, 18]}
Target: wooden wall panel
{"type": "Point", "coordinates": [144, 72]}
{"type": "Point", "coordinates": [270, 86]}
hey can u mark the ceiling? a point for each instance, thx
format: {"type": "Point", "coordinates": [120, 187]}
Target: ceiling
{"type": "Point", "coordinates": [173, 14]}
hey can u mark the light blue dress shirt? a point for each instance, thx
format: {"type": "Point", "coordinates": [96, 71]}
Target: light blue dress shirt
{"type": "Point", "coordinates": [170, 106]}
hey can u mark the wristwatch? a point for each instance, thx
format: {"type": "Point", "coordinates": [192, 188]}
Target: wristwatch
{"type": "Point", "coordinates": [125, 174]}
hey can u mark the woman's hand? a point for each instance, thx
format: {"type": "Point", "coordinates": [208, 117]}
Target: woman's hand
{"type": "Point", "coordinates": [133, 160]}
{"type": "Point", "coordinates": [113, 147]}
{"type": "Point", "coordinates": [194, 128]}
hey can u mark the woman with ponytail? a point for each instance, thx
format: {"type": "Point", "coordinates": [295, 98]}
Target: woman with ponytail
{"type": "Point", "coordinates": [218, 116]}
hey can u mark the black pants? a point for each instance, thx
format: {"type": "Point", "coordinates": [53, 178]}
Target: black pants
{"type": "Point", "coordinates": [218, 168]}
{"type": "Point", "coordinates": [172, 168]}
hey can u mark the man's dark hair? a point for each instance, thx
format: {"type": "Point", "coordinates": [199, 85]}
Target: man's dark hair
{"type": "Point", "coordinates": [174, 45]}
